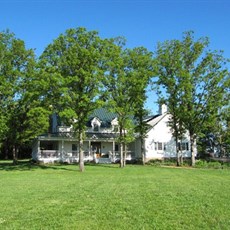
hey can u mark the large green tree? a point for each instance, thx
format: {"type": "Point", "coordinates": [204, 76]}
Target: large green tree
{"type": "Point", "coordinates": [194, 79]}
{"type": "Point", "coordinates": [17, 66]}
{"type": "Point", "coordinates": [73, 65]}
{"type": "Point", "coordinates": [128, 74]}
{"type": "Point", "coordinates": [171, 85]}
{"type": "Point", "coordinates": [141, 68]}
{"type": "Point", "coordinates": [118, 87]}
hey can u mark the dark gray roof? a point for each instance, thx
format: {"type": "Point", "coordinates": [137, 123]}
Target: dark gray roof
{"type": "Point", "coordinates": [104, 115]}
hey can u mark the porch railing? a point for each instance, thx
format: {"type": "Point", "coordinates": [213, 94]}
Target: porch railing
{"type": "Point", "coordinates": [49, 154]}
{"type": "Point", "coordinates": [88, 156]}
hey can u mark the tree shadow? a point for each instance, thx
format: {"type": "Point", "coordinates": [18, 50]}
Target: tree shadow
{"type": "Point", "coordinates": [28, 165]}
{"type": "Point", "coordinates": [101, 165]}
{"type": "Point", "coordinates": [31, 166]}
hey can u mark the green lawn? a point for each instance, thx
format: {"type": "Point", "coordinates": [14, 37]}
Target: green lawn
{"type": "Point", "coordinates": [107, 197]}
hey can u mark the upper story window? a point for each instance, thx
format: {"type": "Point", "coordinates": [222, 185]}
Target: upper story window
{"type": "Point", "coordinates": [96, 124]}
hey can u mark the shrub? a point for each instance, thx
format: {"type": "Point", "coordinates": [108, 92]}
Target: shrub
{"type": "Point", "coordinates": [215, 165]}
{"type": "Point", "coordinates": [155, 162]}
{"type": "Point", "coordinates": [226, 165]}
{"type": "Point", "coordinates": [201, 164]}
{"type": "Point", "coordinates": [210, 164]}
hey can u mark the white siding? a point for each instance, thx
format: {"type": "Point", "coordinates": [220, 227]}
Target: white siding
{"type": "Point", "coordinates": [161, 136]}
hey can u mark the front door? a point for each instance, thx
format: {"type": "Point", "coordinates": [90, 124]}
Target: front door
{"type": "Point", "coordinates": [96, 148]}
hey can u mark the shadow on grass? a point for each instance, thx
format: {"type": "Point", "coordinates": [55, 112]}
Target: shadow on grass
{"type": "Point", "coordinates": [30, 166]}
{"type": "Point", "coordinates": [105, 165]}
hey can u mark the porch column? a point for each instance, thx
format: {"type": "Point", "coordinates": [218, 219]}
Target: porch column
{"type": "Point", "coordinates": [62, 149]}
{"type": "Point", "coordinates": [89, 148]}
{"type": "Point", "coordinates": [38, 150]}
{"type": "Point", "coordinates": [113, 152]}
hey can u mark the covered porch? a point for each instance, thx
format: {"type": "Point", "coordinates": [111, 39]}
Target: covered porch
{"type": "Point", "coordinates": [99, 150]}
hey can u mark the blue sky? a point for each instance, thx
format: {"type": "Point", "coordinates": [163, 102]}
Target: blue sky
{"type": "Point", "coordinates": [141, 22]}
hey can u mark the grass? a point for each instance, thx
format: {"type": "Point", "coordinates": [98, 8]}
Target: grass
{"type": "Point", "coordinates": [107, 197]}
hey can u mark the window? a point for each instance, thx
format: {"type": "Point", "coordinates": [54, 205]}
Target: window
{"type": "Point", "coordinates": [95, 127]}
{"type": "Point", "coordinates": [74, 147]}
{"type": "Point", "coordinates": [168, 123]}
{"type": "Point", "coordinates": [183, 146]}
{"type": "Point", "coordinates": [114, 124]}
{"type": "Point", "coordinates": [159, 146]}
{"type": "Point", "coordinates": [115, 128]}
{"type": "Point", "coordinates": [95, 123]}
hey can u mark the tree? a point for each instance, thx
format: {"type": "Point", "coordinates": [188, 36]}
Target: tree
{"type": "Point", "coordinates": [118, 87]}
{"type": "Point", "coordinates": [73, 66]}
{"type": "Point", "coordinates": [142, 68]}
{"type": "Point", "coordinates": [198, 77]}
{"type": "Point", "coordinates": [17, 63]}
{"type": "Point", "coordinates": [128, 74]}
{"type": "Point", "coordinates": [172, 80]}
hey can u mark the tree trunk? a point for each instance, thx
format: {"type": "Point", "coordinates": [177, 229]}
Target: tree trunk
{"type": "Point", "coordinates": [121, 148]}
{"type": "Point", "coordinates": [177, 153]}
{"type": "Point", "coordinates": [193, 149]}
{"type": "Point", "coordinates": [142, 151]}
{"type": "Point", "coordinates": [81, 153]}
{"type": "Point", "coordinates": [121, 156]}
{"type": "Point", "coordinates": [6, 150]}
{"type": "Point", "coordinates": [15, 155]}
{"type": "Point", "coordinates": [125, 155]}
{"type": "Point", "coordinates": [181, 159]}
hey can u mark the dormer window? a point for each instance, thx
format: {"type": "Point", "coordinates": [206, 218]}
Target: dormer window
{"type": "Point", "coordinates": [96, 124]}
{"type": "Point", "coordinates": [114, 124]}
{"type": "Point", "coordinates": [95, 128]}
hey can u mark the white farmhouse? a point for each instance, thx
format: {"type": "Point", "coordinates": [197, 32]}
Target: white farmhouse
{"type": "Point", "coordinates": [100, 144]}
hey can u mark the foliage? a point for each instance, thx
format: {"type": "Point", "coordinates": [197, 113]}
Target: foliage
{"type": "Point", "coordinates": [167, 162]}
{"type": "Point", "coordinates": [128, 74]}
{"type": "Point", "coordinates": [73, 63]}
{"type": "Point", "coordinates": [195, 80]}
{"type": "Point", "coordinates": [16, 70]}
{"type": "Point", "coordinates": [79, 72]}
{"type": "Point", "coordinates": [209, 164]}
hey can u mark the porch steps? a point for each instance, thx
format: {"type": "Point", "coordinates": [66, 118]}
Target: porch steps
{"type": "Point", "coordinates": [103, 160]}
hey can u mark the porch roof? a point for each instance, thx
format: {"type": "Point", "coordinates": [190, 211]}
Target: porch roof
{"type": "Point", "coordinates": [95, 135]}
{"type": "Point", "coordinates": [69, 136]}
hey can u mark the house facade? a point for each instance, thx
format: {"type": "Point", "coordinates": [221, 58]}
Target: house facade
{"type": "Point", "coordinates": [160, 142]}
{"type": "Point", "coordinates": [100, 143]}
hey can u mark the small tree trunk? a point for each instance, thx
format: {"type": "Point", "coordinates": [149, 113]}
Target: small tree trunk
{"type": "Point", "coordinates": [177, 153]}
{"type": "Point", "coordinates": [6, 153]}
{"type": "Point", "coordinates": [142, 151]}
{"type": "Point", "coordinates": [181, 159]}
{"type": "Point", "coordinates": [15, 155]}
{"type": "Point", "coordinates": [6, 150]}
{"type": "Point", "coordinates": [180, 153]}
{"type": "Point", "coordinates": [121, 149]}
{"type": "Point", "coordinates": [193, 147]}
{"type": "Point", "coordinates": [81, 153]}
{"type": "Point", "coordinates": [125, 155]}
{"type": "Point", "coordinates": [121, 156]}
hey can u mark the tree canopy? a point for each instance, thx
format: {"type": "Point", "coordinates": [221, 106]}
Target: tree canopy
{"type": "Point", "coordinates": [195, 80]}
{"type": "Point", "coordinates": [80, 71]}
